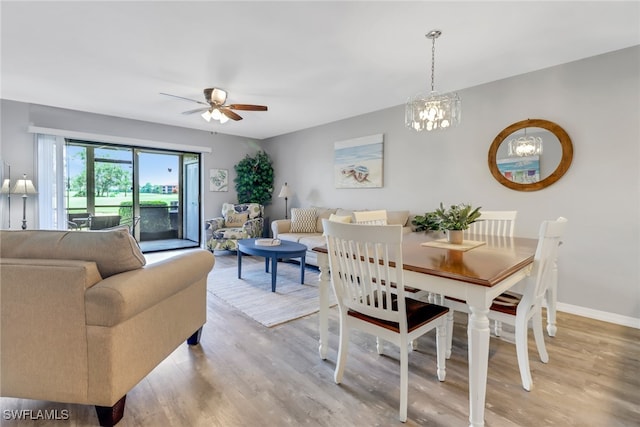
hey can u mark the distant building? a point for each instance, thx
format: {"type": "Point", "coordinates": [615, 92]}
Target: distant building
{"type": "Point", "coordinates": [170, 189]}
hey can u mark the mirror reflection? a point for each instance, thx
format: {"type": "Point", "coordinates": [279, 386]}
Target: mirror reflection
{"type": "Point", "coordinates": [529, 155]}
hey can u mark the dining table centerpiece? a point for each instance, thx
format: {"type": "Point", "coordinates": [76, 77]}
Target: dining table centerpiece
{"type": "Point", "coordinates": [453, 220]}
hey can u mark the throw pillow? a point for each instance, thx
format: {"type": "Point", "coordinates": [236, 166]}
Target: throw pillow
{"type": "Point", "coordinates": [236, 219]}
{"type": "Point", "coordinates": [340, 218]}
{"type": "Point", "coordinates": [303, 220]}
{"type": "Point", "coordinates": [371, 217]}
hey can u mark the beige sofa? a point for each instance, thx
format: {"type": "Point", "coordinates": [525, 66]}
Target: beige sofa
{"type": "Point", "coordinates": [282, 228]}
{"type": "Point", "coordinates": [83, 319]}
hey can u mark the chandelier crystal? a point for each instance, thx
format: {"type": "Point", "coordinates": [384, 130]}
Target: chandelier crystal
{"type": "Point", "coordinates": [432, 111]}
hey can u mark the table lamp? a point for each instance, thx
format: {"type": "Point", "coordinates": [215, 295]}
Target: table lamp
{"type": "Point", "coordinates": [25, 187]}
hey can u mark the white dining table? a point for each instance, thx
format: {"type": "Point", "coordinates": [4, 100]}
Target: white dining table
{"type": "Point", "coordinates": [476, 275]}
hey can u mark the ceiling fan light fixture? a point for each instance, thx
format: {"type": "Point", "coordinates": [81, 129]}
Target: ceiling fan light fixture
{"type": "Point", "coordinates": [223, 118]}
{"type": "Point", "coordinates": [216, 114]}
{"type": "Point", "coordinates": [218, 96]}
{"type": "Point", "coordinates": [207, 115]}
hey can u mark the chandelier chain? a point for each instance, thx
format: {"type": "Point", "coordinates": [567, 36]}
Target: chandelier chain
{"type": "Point", "coordinates": [433, 63]}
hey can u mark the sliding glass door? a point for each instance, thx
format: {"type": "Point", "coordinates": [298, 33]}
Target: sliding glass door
{"type": "Point", "coordinates": [154, 192]}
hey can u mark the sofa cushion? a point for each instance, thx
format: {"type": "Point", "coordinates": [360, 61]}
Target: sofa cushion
{"type": "Point", "coordinates": [303, 220]}
{"type": "Point", "coordinates": [113, 251]}
{"type": "Point", "coordinates": [236, 219]}
{"type": "Point", "coordinates": [340, 218]}
{"type": "Point", "coordinates": [346, 212]}
{"type": "Point", "coordinates": [397, 217]}
{"type": "Point", "coordinates": [322, 213]}
{"type": "Point", "coordinates": [371, 217]}
{"type": "Point", "coordinates": [313, 240]}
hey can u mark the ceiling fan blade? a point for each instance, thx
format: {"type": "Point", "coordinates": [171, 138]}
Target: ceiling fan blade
{"type": "Point", "coordinates": [227, 112]}
{"type": "Point", "coordinates": [182, 97]}
{"type": "Point", "coordinates": [197, 110]}
{"type": "Point", "coordinates": [248, 107]}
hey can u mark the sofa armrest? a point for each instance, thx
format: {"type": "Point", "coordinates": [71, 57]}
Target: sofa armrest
{"type": "Point", "coordinates": [124, 295]}
{"type": "Point", "coordinates": [280, 226]}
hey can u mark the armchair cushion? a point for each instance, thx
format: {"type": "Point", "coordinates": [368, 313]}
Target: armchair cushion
{"type": "Point", "coordinates": [236, 219]}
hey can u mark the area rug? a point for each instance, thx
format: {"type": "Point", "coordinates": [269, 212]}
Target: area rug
{"type": "Point", "coordinates": [252, 294]}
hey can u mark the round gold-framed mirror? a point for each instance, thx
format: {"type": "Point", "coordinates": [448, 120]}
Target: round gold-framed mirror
{"type": "Point", "coordinates": [499, 161]}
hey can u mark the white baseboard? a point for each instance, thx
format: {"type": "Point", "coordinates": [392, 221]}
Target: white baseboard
{"type": "Point", "coordinates": [618, 319]}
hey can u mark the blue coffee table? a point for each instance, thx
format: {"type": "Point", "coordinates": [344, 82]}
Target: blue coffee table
{"type": "Point", "coordinates": [285, 250]}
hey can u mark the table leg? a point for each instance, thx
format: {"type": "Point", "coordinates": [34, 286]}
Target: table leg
{"type": "Point", "coordinates": [302, 269]}
{"type": "Point", "coordinates": [266, 264]}
{"type": "Point", "coordinates": [274, 272]}
{"type": "Point", "coordinates": [478, 338]}
{"type": "Point", "coordinates": [323, 292]}
{"type": "Point", "coordinates": [239, 264]}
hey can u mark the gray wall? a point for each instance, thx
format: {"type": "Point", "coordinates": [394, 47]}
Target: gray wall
{"type": "Point", "coordinates": [595, 100]}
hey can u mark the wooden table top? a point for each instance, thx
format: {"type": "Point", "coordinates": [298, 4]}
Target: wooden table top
{"type": "Point", "coordinates": [485, 265]}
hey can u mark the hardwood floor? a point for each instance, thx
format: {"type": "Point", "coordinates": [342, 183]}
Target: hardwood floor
{"type": "Point", "coordinates": [244, 374]}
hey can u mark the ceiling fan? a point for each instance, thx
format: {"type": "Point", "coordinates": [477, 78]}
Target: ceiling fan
{"type": "Point", "coordinates": [215, 106]}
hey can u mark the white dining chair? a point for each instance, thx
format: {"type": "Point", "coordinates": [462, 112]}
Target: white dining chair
{"type": "Point", "coordinates": [494, 223]}
{"type": "Point", "coordinates": [498, 224]}
{"type": "Point", "coordinates": [371, 295]}
{"type": "Point", "coordinates": [520, 310]}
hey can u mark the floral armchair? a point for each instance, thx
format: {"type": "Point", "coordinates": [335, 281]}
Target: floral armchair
{"type": "Point", "coordinates": [242, 221]}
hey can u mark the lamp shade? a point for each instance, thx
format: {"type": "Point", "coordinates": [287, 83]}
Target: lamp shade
{"type": "Point", "coordinates": [24, 186]}
{"type": "Point", "coordinates": [6, 186]}
{"type": "Point", "coordinates": [285, 191]}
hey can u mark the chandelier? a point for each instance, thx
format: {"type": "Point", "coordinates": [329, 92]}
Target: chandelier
{"type": "Point", "coordinates": [525, 146]}
{"type": "Point", "coordinates": [431, 111]}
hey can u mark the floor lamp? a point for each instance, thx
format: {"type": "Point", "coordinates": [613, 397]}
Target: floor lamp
{"type": "Point", "coordinates": [6, 189]}
{"type": "Point", "coordinates": [286, 193]}
{"type": "Point", "coordinates": [25, 187]}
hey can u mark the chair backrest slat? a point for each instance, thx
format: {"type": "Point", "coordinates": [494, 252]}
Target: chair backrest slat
{"type": "Point", "coordinates": [495, 223]}
{"type": "Point", "coordinates": [361, 260]}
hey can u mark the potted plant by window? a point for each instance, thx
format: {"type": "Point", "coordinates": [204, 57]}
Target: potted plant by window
{"type": "Point", "coordinates": [254, 179]}
{"type": "Point", "coordinates": [455, 219]}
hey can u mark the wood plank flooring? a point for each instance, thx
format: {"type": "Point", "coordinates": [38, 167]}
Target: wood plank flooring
{"type": "Point", "coordinates": [244, 374]}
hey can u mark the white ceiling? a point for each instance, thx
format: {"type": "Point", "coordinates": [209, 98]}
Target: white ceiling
{"type": "Point", "coordinates": [310, 62]}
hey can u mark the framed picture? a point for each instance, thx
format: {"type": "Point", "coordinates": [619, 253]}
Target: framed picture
{"type": "Point", "coordinates": [219, 180]}
{"type": "Point", "coordinates": [358, 162]}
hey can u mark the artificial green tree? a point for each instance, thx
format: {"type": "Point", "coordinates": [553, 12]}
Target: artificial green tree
{"type": "Point", "coordinates": [254, 179]}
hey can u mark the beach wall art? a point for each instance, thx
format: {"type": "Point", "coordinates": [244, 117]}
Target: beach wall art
{"type": "Point", "coordinates": [358, 162]}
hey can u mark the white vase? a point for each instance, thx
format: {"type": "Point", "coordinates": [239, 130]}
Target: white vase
{"type": "Point", "coordinates": [455, 236]}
